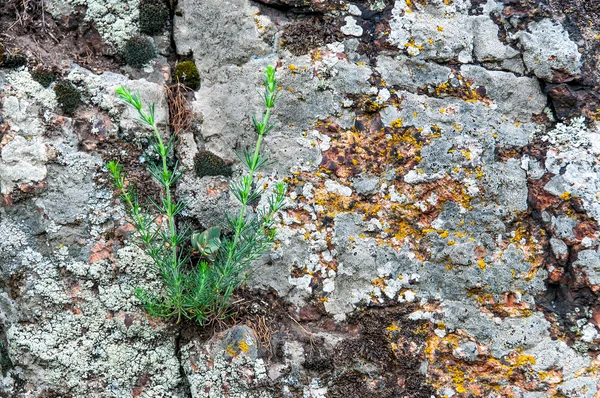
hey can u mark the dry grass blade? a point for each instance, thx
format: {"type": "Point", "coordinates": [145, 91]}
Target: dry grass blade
{"type": "Point", "coordinates": [311, 336]}
{"type": "Point", "coordinates": [263, 332]}
{"type": "Point", "coordinates": [180, 115]}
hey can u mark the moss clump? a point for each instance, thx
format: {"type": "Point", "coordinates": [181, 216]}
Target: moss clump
{"type": "Point", "coordinates": [14, 60]}
{"type": "Point", "coordinates": [1, 53]}
{"type": "Point", "coordinates": [153, 16]}
{"type": "Point", "coordinates": [186, 73]}
{"type": "Point", "coordinates": [138, 51]}
{"type": "Point", "coordinates": [67, 96]}
{"type": "Point", "coordinates": [43, 76]}
{"type": "Point", "coordinates": [207, 163]}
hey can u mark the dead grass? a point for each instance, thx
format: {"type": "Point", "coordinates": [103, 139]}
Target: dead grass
{"type": "Point", "coordinates": [27, 11]}
{"type": "Point", "coordinates": [263, 332]}
{"type": "Point", "coordinates": [180, 115]}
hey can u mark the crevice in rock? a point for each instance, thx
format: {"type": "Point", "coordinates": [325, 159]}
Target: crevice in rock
{"type": "Point", "coordinates": [567, 301]}
{"type": "Point", "coordinates": [549, 103]}
{"type": "Point", "coordinates": [184, 379]}
{"type": "Point", "coordinates": [571, 99]}
{"type": "Point", "coordinates": [5, 362]}
{"type": "Point", "coordinates": [171, 26]}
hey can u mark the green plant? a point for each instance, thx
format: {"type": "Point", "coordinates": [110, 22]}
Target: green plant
{"type": "Point", "coordinates": [207, 163]}
{"type": "Point", "coordinates": [43, 76]}
{"type": "Point", "coordinates": [207, 242]}
{"type": "Point", "coordinates": [186, 73]}
{"type": "Point", "coordinates": [202, 289]}
{"type": "Point", "coordinates": [138, 51]}
{"type": "Point", "coordinates": [153, 16]}
{"type": "Point", "coordinates": [68, 96]}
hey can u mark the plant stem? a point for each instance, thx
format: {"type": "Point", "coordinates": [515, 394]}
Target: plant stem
{"type": "Point", "coordinates": [170, 216]}
{"type": "Point", "coordinates": [261, 128]}
{"type": "Point", "coordinates": [168, 205]}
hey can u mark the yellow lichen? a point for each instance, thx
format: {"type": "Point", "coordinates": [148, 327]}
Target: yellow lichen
{"type": "Point", "coordinates": [229, 350]}
{"type": "Point", "coordinates": [396, 123]}
{"type": "Point", "coordinates": [411, 42]}
{"type": "Point", "coordinates": [393, 328]}
{"type": "Point", "coordinates": [481, 264]}
{"type": "Point", "coordinates": [243, 345]}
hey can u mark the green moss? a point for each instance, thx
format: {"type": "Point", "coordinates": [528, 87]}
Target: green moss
{"type": "Point", "coordinates": [186, 73]}
{"type": "Point", "coordinates": [14, 60]}
{"type": "Point", "coordinates": [11, 60]}
{"type": "Point", "coordinates": [153, 16]}
{"type": "Point", "coordinates": [138, 51]}
{"type": "Point", "coordinates": [207, 163]}
{"type": "Point", "coordinates": [67, 96]}
{"type": "Point", "coordinates": [43, 76]}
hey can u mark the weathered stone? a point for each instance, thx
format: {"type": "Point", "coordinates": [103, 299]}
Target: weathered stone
{"type": "Point", "coordinates": [427, 180]}
{"type": "Point", "coordinates": [487, 47]}
{"type": "Point", "coordinates": [411, 74]}
{"type": "Point", "coordinates": [559, 248]}
{"type": "Point", "coordinates": [366, 184]}
{"type": "Point", "coordinates": [506, 90]}
{"type": "Point", "coordinates": [585, 387]}
{"type": "Point", "coordinates": [226, 365]}
{"type": "Point", "coordinates": [22, 161]}
{"type": "Point", "coordinates": [589, 262]}
{"type": "Point", "coordinates": [519, 334]}
{"type": "Point", "coordinates": [432, 32]}
{"type": "Point", "coordinates": [548, 51]}
{"type": "Point", "coordinates": [218, 37]}
{"type": "Point", "coordinates": [116, 20]}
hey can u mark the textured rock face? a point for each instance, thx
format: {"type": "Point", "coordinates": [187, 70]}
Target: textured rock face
{"type": "Point", "coordinates": [440, 236]}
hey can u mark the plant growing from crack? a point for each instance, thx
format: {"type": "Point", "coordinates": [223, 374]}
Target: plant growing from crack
{"type": "Point", "coordinates": [199, 290]}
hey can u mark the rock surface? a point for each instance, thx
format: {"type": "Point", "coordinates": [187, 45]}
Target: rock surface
{"type": "Point", "coordinates": [441, 232]}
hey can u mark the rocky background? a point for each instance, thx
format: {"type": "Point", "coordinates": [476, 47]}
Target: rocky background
{"type": "Point", "coordinates": [441, 235]}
